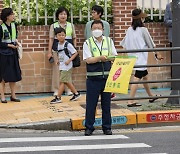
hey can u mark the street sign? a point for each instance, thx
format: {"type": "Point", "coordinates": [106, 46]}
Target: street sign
{"type": "Point", "coordinates": [163, 117]}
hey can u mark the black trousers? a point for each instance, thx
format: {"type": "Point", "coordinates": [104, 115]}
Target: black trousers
{"type": "Point", "coordinates": [94, 89]}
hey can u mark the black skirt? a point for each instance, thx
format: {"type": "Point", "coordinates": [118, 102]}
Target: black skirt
{"type": "Point", "coordinates": [9, 68]}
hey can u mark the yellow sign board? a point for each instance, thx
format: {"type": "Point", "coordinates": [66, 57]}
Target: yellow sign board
{"type": "Point", "coordinates": [119, 76]}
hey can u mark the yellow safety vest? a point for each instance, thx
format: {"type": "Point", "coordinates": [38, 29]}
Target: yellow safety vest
{"type": "Point", "coordinates": [69, 29]}
{"type": "Point", "coordinates": [7, 36]}
{"type": "Point", "coordinates": [99, 69]}
{"type": "Point", "coordinates": [105, 50]}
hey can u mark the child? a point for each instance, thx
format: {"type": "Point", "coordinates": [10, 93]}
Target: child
{"type": "Point", "coordinates": [65, 66]}
{"type": "Point", "coordinates": [138, 37]}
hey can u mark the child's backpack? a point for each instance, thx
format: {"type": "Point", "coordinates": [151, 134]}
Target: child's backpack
{"type": "Point", "coordinates": [76, 61]}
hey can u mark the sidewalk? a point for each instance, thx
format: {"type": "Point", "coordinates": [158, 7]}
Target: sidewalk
{"type": "Point", "coordinates": [35, 112]}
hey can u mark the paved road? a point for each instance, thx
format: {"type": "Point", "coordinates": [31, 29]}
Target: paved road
{"type": "Point", "coordinates": [161, 140]}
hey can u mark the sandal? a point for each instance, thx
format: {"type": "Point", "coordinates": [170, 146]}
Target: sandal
{"type": "Point", "coordinates": [134, 105]}
{"type": "Point", "coordinates": [153, 99]}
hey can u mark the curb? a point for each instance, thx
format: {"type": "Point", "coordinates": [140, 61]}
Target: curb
{"type": "Point", "coordinates": [135, 119]}
{"type": "Point", "coordinates": [44, 125]}
{"type": "Point", "coordinates": [125, 120]}
{"type": "Point", "coordinates": [158, 116]}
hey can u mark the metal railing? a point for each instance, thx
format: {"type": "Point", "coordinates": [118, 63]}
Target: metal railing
{"type": "Point", "coordinates": [160, 5]}
{"type": "Point", "coordinates": [26, 8]}
{"type": "Point", "coordinates": [154, 65]}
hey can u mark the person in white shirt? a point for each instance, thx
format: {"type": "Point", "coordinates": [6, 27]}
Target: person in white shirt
{"type": "Point", "coordinates": [97, 12]}
{"type": "Point", "coordinates": [65, 66]}
{"type": "Point", "coordinates": [96, 50]}
{"type": "Point", "coordinates": [138, 37]}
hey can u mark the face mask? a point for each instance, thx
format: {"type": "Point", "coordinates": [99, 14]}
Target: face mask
{"type": "Point", "coordinates": [97, 33]}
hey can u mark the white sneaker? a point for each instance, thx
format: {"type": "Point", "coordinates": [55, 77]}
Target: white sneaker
{"type": "Point", "coordinates": [75, 97]}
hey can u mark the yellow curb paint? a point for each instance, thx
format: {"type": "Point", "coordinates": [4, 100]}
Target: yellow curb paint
{"type": "Point", "coordinates": [122, 117]}
{"type": "Point", "coordinates": [158, 116]}
{"type": "Point", "coordinates": [77, 124]}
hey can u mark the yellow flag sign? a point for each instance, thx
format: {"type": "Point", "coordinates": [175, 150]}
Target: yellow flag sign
{"type": "Point", "coordinates": [119, 76]}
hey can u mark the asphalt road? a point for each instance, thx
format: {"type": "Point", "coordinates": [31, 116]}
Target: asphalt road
{"type": "Point", "coordinates": [158, 140]}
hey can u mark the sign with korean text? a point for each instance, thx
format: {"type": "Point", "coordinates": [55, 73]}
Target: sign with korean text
{"type": "Point", "coordinates": [118, 120]}
{"type": "Point", "coordinates": [163, 117]}
{"type": "Point", "coordinates": [119, 76]}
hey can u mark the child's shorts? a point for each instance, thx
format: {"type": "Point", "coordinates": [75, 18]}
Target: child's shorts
{"type": "Point", "coordinates": [140, 74]}
{"type": "Point", "coordinates": [66, 76]}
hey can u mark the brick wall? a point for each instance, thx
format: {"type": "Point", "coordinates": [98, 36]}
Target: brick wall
{"type": "Point", "coordinates": [159, 34]}
{"type": "Point", "coordinates": [122, 20]}
{"type": "Point", "coordinates": [36, 70]}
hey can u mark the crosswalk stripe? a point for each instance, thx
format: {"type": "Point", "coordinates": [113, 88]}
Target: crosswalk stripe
{"type": "Point", "coordinates": [73, 147]}
{"type": "Point", "coordinates": [70, 138]}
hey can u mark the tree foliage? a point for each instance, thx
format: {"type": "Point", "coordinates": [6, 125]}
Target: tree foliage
{"type": "Point", "coordinates": [155, 18]}
{"type": "Point", "coordinates": [51, 6]}
{"type": "Point", "coordinates": [73, 6]}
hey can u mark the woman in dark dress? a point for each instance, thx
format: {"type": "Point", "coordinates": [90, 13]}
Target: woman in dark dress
{"type": "Point", "coordinates": [9, 63]}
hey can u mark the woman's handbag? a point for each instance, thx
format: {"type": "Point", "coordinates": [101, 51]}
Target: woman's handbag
{"type": "Point", "coordinates": [20, 50]}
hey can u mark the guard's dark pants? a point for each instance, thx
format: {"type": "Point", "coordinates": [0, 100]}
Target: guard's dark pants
{"type": "Point", "coordinates": [94, 89]}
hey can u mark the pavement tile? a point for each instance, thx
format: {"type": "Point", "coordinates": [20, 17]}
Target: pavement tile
{"type": "Point", "coordinates": [5, 118]}
{"type": "Point", "coordinates": [24, 120]}
{"type": "Point", "coordinates": [11, 122]}
{"type": "Point", "coordinates": [39, 109]}
{"type": "Point", "coordinates": [35, 118]}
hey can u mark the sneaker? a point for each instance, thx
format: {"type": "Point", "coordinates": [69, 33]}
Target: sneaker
{"type": "Point", "coordinates": [113, 95]}
{"type": "Point", "coordinates": [107, 132]}
{"type": "Point", "coordinates": [88, 132]}
{"type": "Point", "coordinates": [75, 97]}
{"type": "Point", "coordinates": [55, 100]}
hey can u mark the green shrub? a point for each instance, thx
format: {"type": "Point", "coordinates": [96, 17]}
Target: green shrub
{"type": "Point", "coordinates": [51, 7]}
{"type": "Point", "coordinates": [155, 18]}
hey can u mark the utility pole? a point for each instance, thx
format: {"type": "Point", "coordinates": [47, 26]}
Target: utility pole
{"type": "Point", "coordinates": [175, 54]}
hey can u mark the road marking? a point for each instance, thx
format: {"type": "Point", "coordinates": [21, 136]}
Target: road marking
{"type": "Point", "coordinates": [70, 138]}
{"type": "Point", "coordinates": [74, 147]}
{"type": "Point", "coordinates": [155, 153]}
{"type": "Point", "coordinates": [150, 130]}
